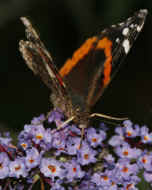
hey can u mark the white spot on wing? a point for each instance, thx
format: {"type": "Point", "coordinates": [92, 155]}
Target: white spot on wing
{"type": "Point", "coordinates": [121, 23]}
{"type": "Point", "coordinates": [126, 45]}
{"type": "Point", "coordinates": [117, 40]}
{"type": "Point", "coordinates": [125, 31]}
{"type": "Point", "coordinates": [113, 26]}
{"type": "Point", "coordinates": [129, 18]}
{"type": "Point", "coordinates": [142, 13]}
{"type": "Point", "coordinates": [139, 28]}
{"type": "Point", "coordinates": [132, 26]}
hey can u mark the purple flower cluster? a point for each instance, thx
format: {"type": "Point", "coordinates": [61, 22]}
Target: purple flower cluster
{"type": "Point", "coordinates": [104, 161]}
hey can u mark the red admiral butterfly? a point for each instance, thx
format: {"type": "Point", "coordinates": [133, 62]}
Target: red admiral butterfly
{"type": "Point", "coordinates": [84, 77]}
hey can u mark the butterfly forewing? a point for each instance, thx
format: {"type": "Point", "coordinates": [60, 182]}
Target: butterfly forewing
{"type": "Point", "coordinates": [95, 63]}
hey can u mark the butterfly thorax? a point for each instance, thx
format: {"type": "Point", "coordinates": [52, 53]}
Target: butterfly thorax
{"type": "Point", "coordinates": [81, 116]}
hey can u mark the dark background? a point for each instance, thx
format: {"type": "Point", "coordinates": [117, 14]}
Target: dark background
{"type": "Point", "coordinates": [64, 26]}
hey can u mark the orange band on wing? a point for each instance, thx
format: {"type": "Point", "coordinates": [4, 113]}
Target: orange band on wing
{"type": "Point", "coordinates": [77, 56]}
{"type": "Point", "coordinates": [106, 45]}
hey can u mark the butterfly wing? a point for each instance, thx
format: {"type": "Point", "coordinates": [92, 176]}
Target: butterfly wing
{"type": "Point", "coordinates": [94, 64]}
{"type": "Point", "coordinates": [40, 62]}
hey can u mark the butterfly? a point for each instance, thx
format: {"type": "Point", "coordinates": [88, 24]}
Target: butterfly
{"type": "Point", "coordinates": [78, 85]}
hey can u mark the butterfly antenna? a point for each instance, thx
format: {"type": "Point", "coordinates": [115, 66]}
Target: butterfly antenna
{"type": "Point", "coordinates": [108, 117]}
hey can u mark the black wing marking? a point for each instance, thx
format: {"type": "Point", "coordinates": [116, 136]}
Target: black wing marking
{"type": "Point", "coordinates": [122, 36]}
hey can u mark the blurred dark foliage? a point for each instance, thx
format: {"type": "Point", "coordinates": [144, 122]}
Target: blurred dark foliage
{"type": "Point", "coordinates": [64, 26]}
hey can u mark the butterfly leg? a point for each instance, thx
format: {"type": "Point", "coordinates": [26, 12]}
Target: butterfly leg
{"type": "Point", "coordinates": [81, 126]}
{"type": "Point", "coordinates": [65, 123]}
{"type": "Point", "coordinates": [82, 136]}
{"type": "Point", "coordinates": [108, 117]}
